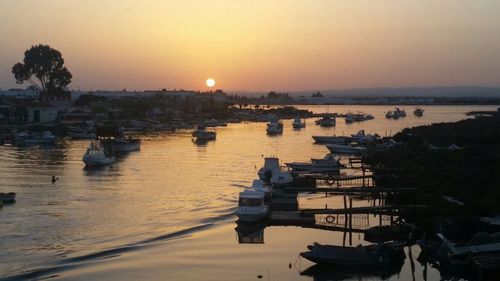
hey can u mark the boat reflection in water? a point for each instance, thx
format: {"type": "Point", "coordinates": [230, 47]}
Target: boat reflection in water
{"type": "Point", "coordinates": [325, 272]}
{"type": "Point", "coordinates": [250, 233]}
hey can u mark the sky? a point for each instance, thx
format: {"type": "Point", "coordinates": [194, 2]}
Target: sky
{"type": "Point", "coordinates": [258, 45]}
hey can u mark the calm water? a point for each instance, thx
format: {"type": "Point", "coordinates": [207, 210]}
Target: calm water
{"type": "Point", "coordinates": [170, 185]}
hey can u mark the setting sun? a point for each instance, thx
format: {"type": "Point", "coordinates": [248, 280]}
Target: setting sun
{"type": "Point", "coordinates": [210, 82]}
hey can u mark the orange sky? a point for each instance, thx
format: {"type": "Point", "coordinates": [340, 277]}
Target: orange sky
{"type": "Point", "coordinates": [259, 45]}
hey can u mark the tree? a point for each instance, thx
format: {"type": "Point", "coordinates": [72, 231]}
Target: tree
{"type": "Point", "coordinates": [44, 68]}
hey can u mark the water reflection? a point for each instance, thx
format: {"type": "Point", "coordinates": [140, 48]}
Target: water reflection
{"type": "Point", "coordinates": [330, 273]}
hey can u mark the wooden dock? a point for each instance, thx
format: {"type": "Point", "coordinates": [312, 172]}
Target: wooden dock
{"type": "Point", "coordinates": [384, 210]}
{"type": "Point", "coordinates": [350, 190]}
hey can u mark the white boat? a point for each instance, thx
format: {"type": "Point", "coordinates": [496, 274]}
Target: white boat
{"type": "Point", "coordinates": [281, 177]}
{"type": "Point", "coordinates": [345, 149]}
{"type": "Point", "coordinates": [326, 121]}
{"type": "Point", "coordinates": [251, 206]}
{"type": "Point", "coordinates": [271, 164]}
{"type": "Point", "coordinates": [274, 128]}
{"type": "Point", "coordinates": [96, 156]}
{"type": "Point", "coordinates": [201, 134]}
{"type": "Point", "coordinates": [298, 123]}
{"type": "Point", "coordinates": [260, 185]}
{"type": "Point", "coordinates": [29, 138]}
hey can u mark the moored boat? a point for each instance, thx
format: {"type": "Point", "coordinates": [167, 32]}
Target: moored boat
{"type": "Point", "coordinates": [251, 206]}
{"type": "Point", "coordinates": [30, 138]}
{"type": "Point", "coordinates": [271, 164]}
{"type": "Point", "coordinates": [330, 139]}
{"type": "Point", "coordinates": [298, 123]}
{"type": "Point", "coordinates": [383, 254]}
{"type": "Point", "coordinates": [326, 121]}
{"type": "Point", "coordinates": [419, 112]}
{"type": "Point", "coordinates": [345, 149]}
{"type": "Point", "coordinates": [281, 177]}
{"type": "Point", "coordinates": [274, 128]}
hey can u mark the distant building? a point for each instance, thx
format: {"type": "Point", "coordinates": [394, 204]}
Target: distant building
{"type": "Point", "coordinates": [29, 93]}
{"type": "Point", "coordinates": [138, 94]}
{"type": "Point", "coordinates": [42, 114]}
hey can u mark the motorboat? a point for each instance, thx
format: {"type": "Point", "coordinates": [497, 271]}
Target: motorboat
{"type": "Point", "coordinates": [6, 198]}
{"type": "Point", "coordinates": [201, 134]}
{"type": "Point", "coordinates": [274, 128]}
{"type": "Point", "coordinates": [383, 254]}
{"type": "Point", "coordinates": [349, 118]}
{"type": "Point", "coordinates": [389, 114]}
{"type": "Point", "coordinates": [330, 139]}
{"type": "Point", "coordinates": [260, 185]}
{"type": "Point", "coordinates": [329, 159]}
{"type": "Point", "coordinates": [30, 138]}
{"type": "Point", "coordinates": [326, 121]}
{"type": "Point", "coordinates": [419, 112]}
{"type": "Point", "coordinates": [345, 149]}
{"type": "Point", "coordinates": [271, 164]}
{"type": "Point", "coordinates": [369, 117]}
{"type": "Point", "coordinates": [396, 114]}
{"type": "Point", "coordinates": [122, 143]}
{"type": "Point", "coordinates": [298, 123]}
{"type": "Point", "coordinates": [251, 206]}
{"type": "Point", "coordinates": [96, 155]}
{"type": "Point", "coordinates": [281, 177]}
{"type": "Point", "coordinates": [361, 137]}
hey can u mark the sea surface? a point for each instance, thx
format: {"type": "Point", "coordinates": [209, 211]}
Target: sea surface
{"type": "Point", "coordinates": [166, 212]}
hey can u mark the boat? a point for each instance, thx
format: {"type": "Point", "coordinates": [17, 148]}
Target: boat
{"type": "Point", "coordinates": [281, 177]}
{"type": "Point", "coordinates": [201, 134]}
{"type": "Point", "coordinates": [419, 112]}
{"type": "Point", "coordinates": [274, 128]}
{"type": "Point", "coordinates": [345, 149]}
{"type": "Point", "coordinates": [251, 206]}
{"type": "Point", "coordinates": [349, 118]}
{"type": "Point", "coordinates": [313, 168]}
{"type": "Point", "coordinates": [85, 130]}
{"type": "Point", "coordinates": [6, 198]}
{"type": "Point", "coordinates": [260, 185]}
{"type": "Point", "coordinates": [271, 164]}
{"type": "Point", "coordinates": [361, 137]}
{"type": "Point", "coordinates": [369, 117]}
{"type": "Point", "coordinates": [326, 121]}
{"type": "Point", "coordinates": [480, 243]}
{"type": "Point", "coordinates": [96, 156]}
{"type": "Point", "coordinates": [389, 114]}
{"type": "Point", "coordinates": [329, 159]}
{"type": "Point", "coordinates": [29, 138]}
{"type": "Point", "coordinates": [383, 254]}
{"type": "Point", "coordinates": [122, 143]}
{"type": "Point", "coordinates": [330, 139]}
{"type": "Point", "coordinates": [298, 123]}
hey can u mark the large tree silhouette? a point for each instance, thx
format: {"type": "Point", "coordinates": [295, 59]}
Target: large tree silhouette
{"type": "Point", "coordinates": [44, 68]}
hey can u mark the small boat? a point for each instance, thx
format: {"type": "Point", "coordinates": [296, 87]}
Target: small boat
{"type": "Point", "coordinates": [260, 185]}
{"type": "Point", "coordinates": [345, 149]}
{"type": "Point", "coordinates": [274, 128]}
{"type": "Point", "coordinates": [29, 138]}
{"type": "Point", "coordinates": [383, 254]}
{"type": "Point", "coordinates": [369, 117]}
{"type": "Point", "coordinates": [313, 168]}
{"type": "Point", "coordinates": [271, 164]}
{"type": "Point", "coordinates": [326, 121]}
{"type": "Point", "coordinates": [9, 197]}
{"type": "Point", "coordinates": [201, 134]}
{"type": "Point", "coordinates": [298, 123]}
{"type": "Point", "coordinates": [281, 177]}
{"type": "Point", "coordinates": [361, 137]}
{"type": "Point", "coordinates": [122, 143]}
{"type": "Point", "coordinates": [419, 112]}
{"type": "Point", "coordinates": [329, 159]}
{"type": "Point", "coordinates": [96, 156]}
{"type": "Point", "coordinates": [251, 206]}
{"type": "Point", "coordinates": [349, 118]}
{"type": "Point", "coordinates": [389, 114]}
{"type": "Point", "coordinates": [330, 139]}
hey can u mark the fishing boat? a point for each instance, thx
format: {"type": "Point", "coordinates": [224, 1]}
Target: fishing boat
{"type": "Point", "coordinates": [30, 138]}
{"type": "Point", "coordinates": [281, 177]}
{"type": "Point", "coordinates": [345, 149]}
{"type": "Point", "coordinates": [271, 164]}
{"type": "Point", "coordinates": [329, 159]}
{"type": "Point", "coordinates": [251, 206]}
{"type": "Point", "coordinates": [419, 112]}
{"type": "Point", "coordinates": [298, 123]}
{"type": "Point", "coordinates": [96, 156]}
{"type": "Point", "coordinates": [260, 185]}
{"type": "Point", "coordinates": [326, 121]}
{"type": "Point", "coordinates": [201, 134]}
{"type": "Point", "coordinates": [6, 198]}
{"type": "Point", "coordinates": [383, 254]}
{"type": "Point", "coordinates": [274, 128]}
